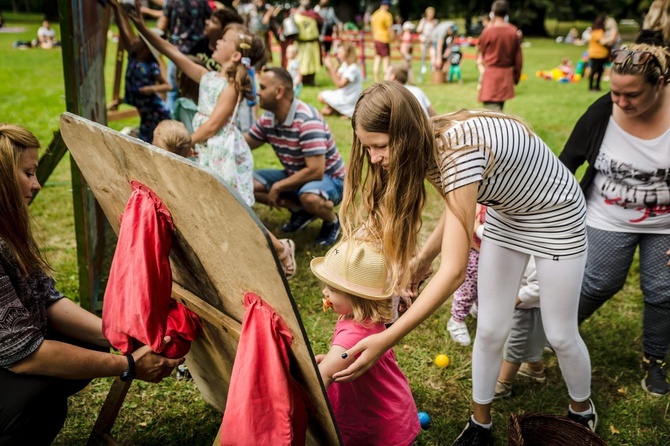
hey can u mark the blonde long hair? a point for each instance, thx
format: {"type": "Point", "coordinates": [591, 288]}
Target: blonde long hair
{"type": "Point", "coordinates": [651, 71]}
{"type": "Point", "coordinates": [658, 19]}
{"type": "Point", "coordinates": [15, 227]}
{"type": "Point", "coordinates": [391, 202]}
{"type": "Point", "coordinates": [364, 311]}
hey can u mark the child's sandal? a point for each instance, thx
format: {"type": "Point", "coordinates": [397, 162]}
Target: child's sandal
{"type": "Point", "coordinates": [287, 258]}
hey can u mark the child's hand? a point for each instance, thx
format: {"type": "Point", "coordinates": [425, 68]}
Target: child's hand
{"type": "Point", "coordinates": [136, 15]}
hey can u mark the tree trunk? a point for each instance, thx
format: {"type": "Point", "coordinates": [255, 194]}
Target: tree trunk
{"type": "Point", "coordinates": [535, 25]}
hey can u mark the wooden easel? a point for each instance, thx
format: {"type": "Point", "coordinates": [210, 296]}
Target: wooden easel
{"type": "Point", "coordinates": [220, 251]}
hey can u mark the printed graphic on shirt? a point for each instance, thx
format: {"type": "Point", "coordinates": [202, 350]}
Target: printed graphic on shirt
{"type": "Point", "coordinates": [622, 184]}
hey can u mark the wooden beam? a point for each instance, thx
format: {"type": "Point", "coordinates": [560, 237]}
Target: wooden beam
{"type": "Point", "coordinates": [206, 311]}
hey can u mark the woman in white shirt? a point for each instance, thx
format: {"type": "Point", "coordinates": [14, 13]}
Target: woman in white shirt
{"type": "Point", "coordinates": [349, 82]}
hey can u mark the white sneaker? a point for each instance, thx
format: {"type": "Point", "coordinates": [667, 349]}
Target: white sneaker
{"type": "Point", "coordinates": [474, 311]}
{"type": "Point", "coordinates": [458, 332]}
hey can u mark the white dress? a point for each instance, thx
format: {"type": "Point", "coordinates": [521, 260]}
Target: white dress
{"type": "Point", "coordinates": [344, 99]}
{"type": "Point", "coordinates": [226, 153]}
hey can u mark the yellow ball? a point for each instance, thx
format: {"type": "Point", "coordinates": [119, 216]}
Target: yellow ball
{"type": "Point", "coordinates": [442, 361]}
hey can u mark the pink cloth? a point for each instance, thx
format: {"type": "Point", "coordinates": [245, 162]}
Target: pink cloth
{"type": "Point", "coordinates": [138, 307]}
{"type": "Point", "coordinates": [378, 407]}
{"type": "Point", "coordinates": [265, 406]}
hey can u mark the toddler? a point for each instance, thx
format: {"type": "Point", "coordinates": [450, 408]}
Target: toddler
{"type": "Point", "coordinates": [174, 137]}
{"type": "Point", "coordinates": [378, 407]}
{"type": "Point", "coordinates": [455, 57]}
{"type": "Point", "coordinates": [406, 45]}
{"type": "Point", "coordinates": [523, 349]}
{"type": "Point", "coordinates": [465, 297]}
{"type": "Point", "coordinates": [293, 67]}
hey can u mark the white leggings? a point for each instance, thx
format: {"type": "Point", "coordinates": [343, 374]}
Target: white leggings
{"type": "Point", "coordinates": [500, 273]}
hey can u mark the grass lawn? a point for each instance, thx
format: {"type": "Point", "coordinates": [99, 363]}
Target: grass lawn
{"type": "Point", "coordinates": [172, 412]}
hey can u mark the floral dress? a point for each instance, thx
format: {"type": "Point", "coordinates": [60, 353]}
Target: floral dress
{"type": "Point", "coordinates": [151, 107]}
{"type": "Point", "coordinates": [226, 153]}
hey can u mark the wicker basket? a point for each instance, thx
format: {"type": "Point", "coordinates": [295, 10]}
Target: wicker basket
{"type": "Point", "coordinates": [549, 430]}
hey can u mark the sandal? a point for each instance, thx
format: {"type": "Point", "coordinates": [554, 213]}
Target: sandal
{"type": "Point", "coordinates": [287, 258]}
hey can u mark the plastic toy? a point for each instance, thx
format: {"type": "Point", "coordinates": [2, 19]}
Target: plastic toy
{"type": "Point", "coordinates": [442, 361]}
{"type": "Point", "coordinates": [424, 419]}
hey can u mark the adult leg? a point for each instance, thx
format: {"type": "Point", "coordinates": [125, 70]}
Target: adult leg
{"type": "Point", "coordinates": [375, 68]}
{"type": "Point", "coordinates": [560, 283]}
{"type": "Point", "coordinates": [33, 408]}
{"type": "Point", "coordinates": [500, 273]}
{"type": "Point", "coordinates": [607, 263]}
{"type": "Point", "coordinates": [655, 284]}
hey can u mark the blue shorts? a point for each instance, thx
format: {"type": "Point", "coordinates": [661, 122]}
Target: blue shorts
{"type": "Point", "coordinates": [329, 188]}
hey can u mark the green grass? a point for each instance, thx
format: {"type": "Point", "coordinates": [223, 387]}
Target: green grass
{"type": "Point", "coordinates": [172, 412]}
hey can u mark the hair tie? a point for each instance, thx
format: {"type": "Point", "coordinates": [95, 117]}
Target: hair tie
{"type": "Point", "coordinates": [246, 62]}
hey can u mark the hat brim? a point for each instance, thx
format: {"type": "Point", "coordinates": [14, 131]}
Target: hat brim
{"type": "Point", "coordinates": [319, 269]}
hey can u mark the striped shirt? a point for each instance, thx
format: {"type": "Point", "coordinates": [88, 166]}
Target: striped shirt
{"type": "Point", "coordinates": [535, 205]}
{"type": "Point", "coordinates": [304, 133]}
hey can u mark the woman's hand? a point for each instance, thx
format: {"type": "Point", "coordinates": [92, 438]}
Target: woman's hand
{"type": "Point", "coordinates": [370, 349]}
{"type": "Point", "coordinates": [136, 13]}
{"type": "Point", "coordinates": [152, 367]}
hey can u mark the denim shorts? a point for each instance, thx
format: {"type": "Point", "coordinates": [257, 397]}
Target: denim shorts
{"type": "Point", "coordinates": [329, 188]}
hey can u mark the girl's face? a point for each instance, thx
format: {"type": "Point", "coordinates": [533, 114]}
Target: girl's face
{"type": "Point", "coordinates": [27, 179]}
{"type": "Point", "coordinates": [226, 47]}
{"type": "Point", "coordinates": [213, 28]}
{"type": "Point", "coordinates": [633, 94]}
{"type": "Point", "coordinates": [377, 146]}
{"type": "Point", "coordinates": [339, 300]}
{"type": "Point", "coordinates": [341, 53]}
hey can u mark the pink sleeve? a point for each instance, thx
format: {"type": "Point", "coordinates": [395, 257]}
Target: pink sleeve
{"type": "Point", "coordinates": [348, 333]}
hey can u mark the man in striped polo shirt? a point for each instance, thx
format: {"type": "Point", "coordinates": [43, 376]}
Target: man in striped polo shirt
{"type": "Point", "coordinates": [311, 181]}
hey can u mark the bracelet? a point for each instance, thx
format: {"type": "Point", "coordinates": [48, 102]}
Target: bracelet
{"type": "Point", "coordinates": [129, 374]}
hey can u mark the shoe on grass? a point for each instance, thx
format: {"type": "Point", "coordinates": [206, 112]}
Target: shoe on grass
{"type": "Point", "coordinates": [654, 380]}
{"type": "Point", "coordinates": [503, 390]}
{"type": "Point", "coordinates": [474, 435]}
{"type": "Point", "coordinates": [458, 332]}
{"type": "Point", "coordinates": [299, 220]}
{"type": "Point", "coordinates": [590, 421]}
{"type": "Point", "coordinates": [537, 375]}
{"type": "Point", "coordinates": [328, 234]}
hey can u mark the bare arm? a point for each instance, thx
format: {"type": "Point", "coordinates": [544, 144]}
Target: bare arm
{"type": "Point", "coordinates": [431, 111]}
{"type": "Point", "coordinates": [333, 363]}
{"type": "Point", "coordinates": [70, 319]}
{"type": "Point", "coordinates": [455, 249]}
{"type": "Point", "coordinates": [223, 109]}
{"type": "Point", "coordinates": [253, 142]}
{"type": "Point", "coordinates": [126, 34]}
{"type": "Point", "coordinates": [161, 86]}
{"type": "Point", "coordinates": [339, 80]}
{"type": "Point", "coordinates": [190, 68]}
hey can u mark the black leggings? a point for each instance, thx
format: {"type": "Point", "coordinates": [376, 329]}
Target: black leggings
{"type": "Point", "coordinates": [597, 68]}
{"type": "Point", "coordinates": [33, 408]}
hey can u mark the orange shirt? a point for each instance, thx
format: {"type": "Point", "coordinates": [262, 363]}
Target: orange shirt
{"type": "Point", "coordinates": [596, 50]}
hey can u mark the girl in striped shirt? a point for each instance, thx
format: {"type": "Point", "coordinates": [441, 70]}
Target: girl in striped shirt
{"type": "Point", "coordinates": [534, 207]}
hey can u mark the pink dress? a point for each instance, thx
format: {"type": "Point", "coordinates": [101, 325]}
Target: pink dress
{"type": "Point", "coordinates": [377, 408]}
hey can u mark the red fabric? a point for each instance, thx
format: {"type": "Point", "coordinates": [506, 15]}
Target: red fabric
{"type": "Point", "coordinates": [138, 304]}
{"type": "Point", "coordinates": [265, 405]}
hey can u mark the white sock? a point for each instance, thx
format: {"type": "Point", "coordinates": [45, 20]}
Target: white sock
{"type": "Point", "coordinates": [485, 426]}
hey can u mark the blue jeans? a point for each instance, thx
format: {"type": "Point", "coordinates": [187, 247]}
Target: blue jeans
{"type": "Point", "coordinates": [171, 95]}
{"type": "Point", "coordinates": [328, 188]}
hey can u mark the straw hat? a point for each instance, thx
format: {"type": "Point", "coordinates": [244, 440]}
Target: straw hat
{"type": "Point", "coordinates": [356, 268]}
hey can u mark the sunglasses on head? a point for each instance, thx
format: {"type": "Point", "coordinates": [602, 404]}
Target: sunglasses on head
{"type": "Point", "coordinates": [636, 57]}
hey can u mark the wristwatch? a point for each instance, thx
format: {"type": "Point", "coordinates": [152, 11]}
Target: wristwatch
{"type": "Point", "coordinates": [129, 374]}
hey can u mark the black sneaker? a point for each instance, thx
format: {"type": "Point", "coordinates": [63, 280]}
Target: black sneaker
{"type": "Point", "coordinates": [328, 234]}
{"type": "Point", "coordinates": [590, 421]}
{"type": "Point", "coordinates": [474, 435]}
{"type": "Point", "coordinates": [654, 380]}
{"type": "Point", "coordinates": [299, 220]}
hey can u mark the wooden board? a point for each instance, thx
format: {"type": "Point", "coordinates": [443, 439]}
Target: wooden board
{"type": "Point", "coordinates": [220, 251]}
